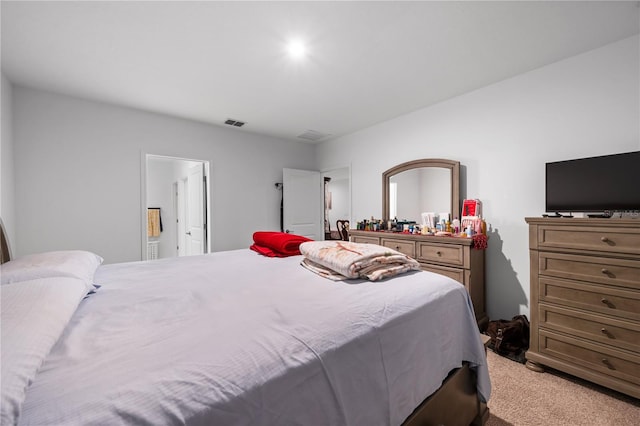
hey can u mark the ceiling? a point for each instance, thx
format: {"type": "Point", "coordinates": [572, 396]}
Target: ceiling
{"type": "Point", "coordinates": [367, 62]}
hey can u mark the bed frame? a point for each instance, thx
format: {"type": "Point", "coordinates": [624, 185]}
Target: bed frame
{"type": "Point", "coordinates": [5, 252]}
{"type": "Point", "coordinates": [455, 403]}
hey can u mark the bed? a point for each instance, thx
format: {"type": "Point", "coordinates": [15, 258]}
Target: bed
{"type": "Point", "coordinates": [236, 338]}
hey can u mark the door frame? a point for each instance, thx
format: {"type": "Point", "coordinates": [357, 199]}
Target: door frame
{"type": "Point", "coordinates": [143, 199]}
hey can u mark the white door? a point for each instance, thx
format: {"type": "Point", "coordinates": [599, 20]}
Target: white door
{"type": "Point", "coordinates": [195, 227]}
{"type": "Point", "coordinates": [302, 196]}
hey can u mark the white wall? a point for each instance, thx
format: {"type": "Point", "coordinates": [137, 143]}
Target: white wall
{"type": "Point", "coordinates": [7, 184]}
{"type": "Point", "coordinates": [503, 135]}
{"type": "Point", "coordinates": [78, 174]}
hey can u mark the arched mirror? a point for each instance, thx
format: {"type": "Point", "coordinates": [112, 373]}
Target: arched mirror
{"type": "Point", "coordinates": [414, 187]}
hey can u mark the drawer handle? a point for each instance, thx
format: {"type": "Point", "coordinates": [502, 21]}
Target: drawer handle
{"type": "Point", "coordinates": [605, 271]}
{"type": "Point", "coordinates": [608, 364]}
{"type": "Point", "coordinates": [398, 248]}
{"type": "Point", "coordinates": [604, 239]}
{"type": "Point", "coordinates": [439, 253]}
{"type": "Point", "coordinates": [605, 332]}
{"type": "Point", "coordinates": [607, 302]}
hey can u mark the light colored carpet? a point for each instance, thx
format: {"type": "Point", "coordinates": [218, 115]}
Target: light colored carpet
{"type": "Point", "coordinates": [521, 397]}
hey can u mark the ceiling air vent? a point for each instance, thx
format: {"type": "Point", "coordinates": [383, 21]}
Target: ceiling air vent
{"type": "Point", "coordinates": [312, 135]}
{"type": "Point", "coordinates": [232, 122]}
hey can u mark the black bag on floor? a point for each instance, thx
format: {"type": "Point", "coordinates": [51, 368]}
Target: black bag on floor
{"type": "Point", "coordinates": [510, 338]}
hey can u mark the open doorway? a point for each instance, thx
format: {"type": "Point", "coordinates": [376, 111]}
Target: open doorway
{"type": "Point", "coordinates": [308, 201]}
{"type": "Point", "coordinates": [337, 201]}
{"type": "Point", "coordinates": [176, 207]}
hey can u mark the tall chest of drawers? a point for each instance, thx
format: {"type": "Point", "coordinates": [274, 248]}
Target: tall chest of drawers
{"type": "Point", "coordinates": [453, 257]}
{"type": "Point", "coordinates": [585, 299]}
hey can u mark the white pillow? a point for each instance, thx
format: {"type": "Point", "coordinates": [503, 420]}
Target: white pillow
{"type": "Point", "coordinates": [66, 263]}
{"type": "Point", "coordinates": [33, 316]}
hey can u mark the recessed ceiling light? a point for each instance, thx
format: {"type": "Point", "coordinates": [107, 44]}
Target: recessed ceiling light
{"type": "Point", "coordinates": [297, 49]}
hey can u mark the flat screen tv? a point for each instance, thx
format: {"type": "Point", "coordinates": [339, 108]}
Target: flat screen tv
{"type": "Point", "coordinates": [594, 184]}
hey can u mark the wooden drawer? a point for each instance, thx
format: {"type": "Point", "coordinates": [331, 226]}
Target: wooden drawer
{"type": "Point", "coordinates": [594, 298]}
{"type": "Point", "coordinates": [405, 247]}
{"type": "Point", "coordinates": [623, 365]}
{"type": "Point", "coordinates": [365, 240]}
{"type": "Point", "coordinates": [603, 239]}
{"type": "Point", "coordinates": [599, 328]}
{"type": "Point", "coordinates": [618, 272]}
{"type": "Point", "coordinates": [456, 274]}
{"type": "Point", "coordinates": [457, 259]}
{"type": "Point", "coordinates": [441, 253]}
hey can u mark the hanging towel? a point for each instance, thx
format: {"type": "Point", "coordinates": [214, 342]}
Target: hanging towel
{"type": "Point", "coordinates": [154, 222]}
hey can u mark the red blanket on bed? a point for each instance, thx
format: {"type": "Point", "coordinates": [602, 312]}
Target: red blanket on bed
{"type": "Point", "coordinates": [277, 244]}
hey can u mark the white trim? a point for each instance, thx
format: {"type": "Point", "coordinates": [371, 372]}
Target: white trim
{"type": "Point", "coordinates": [143, 205]}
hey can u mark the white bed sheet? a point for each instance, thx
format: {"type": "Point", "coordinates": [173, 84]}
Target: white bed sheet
{"type": "Point", "coordinates": [235, 338]}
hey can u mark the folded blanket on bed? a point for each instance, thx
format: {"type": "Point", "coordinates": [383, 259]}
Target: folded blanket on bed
{"type": "Point", "coordinates": [339, 260]}
{"type": "Point", "coordinates": [277, 244]}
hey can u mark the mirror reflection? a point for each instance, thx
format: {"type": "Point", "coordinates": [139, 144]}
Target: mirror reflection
{"type": "Point", "coordinates": [424, 189]}
{"type": "Point", "coordinates": [419, 186]}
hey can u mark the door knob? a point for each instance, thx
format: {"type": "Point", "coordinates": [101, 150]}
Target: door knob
{"type": "Point", "coordinates": [606, 332]}
{"type": "Point", "coordinates": [607, 302]}
{"type": "Point", "coordinates": [188, 233]}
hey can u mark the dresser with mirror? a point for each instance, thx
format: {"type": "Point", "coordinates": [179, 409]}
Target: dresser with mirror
{"type": "Point", "coordinates": [430, 185]}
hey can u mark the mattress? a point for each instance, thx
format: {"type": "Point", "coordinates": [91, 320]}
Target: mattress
{"type": "Point", "coordinates": [235, 338]}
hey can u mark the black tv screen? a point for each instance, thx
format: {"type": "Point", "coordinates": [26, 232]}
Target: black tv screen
{"type": "Point", "coordinates": [595, 184]}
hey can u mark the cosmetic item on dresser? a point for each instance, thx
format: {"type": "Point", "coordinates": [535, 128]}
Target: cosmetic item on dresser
{"type": "Point", "coordinates": [456, 225]}
{"type": "Point", "coordinates": [454, 257]}
{"type": "Point", "coordinates": [585, 299]}
{"type": "Point", "coordinates": [428, 219]}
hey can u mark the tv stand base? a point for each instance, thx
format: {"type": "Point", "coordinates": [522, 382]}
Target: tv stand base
{"type": "Point", "coordinates": [557, 215]}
